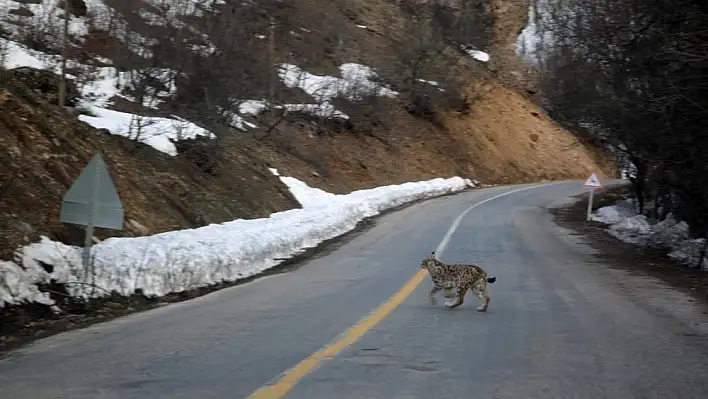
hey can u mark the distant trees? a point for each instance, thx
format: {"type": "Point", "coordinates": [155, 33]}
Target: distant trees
{"type": "Point", "coordinates": [635, 75]}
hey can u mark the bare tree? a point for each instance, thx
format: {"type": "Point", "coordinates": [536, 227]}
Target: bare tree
{"type": "Point", "coordinates": [632, 74]}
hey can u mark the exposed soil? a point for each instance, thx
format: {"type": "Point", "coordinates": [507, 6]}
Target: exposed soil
{"type": "Point", "coordinates": [21, 325]}
{"type": "Point", "coordinates": [625, 256]}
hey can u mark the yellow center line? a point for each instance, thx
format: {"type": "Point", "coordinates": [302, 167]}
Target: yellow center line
{"type": "Point", "coordinates": [291, 377]}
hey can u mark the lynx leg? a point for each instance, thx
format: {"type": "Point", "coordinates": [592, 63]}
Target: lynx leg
{"type": "Point", "coordinates": [483, 307]}
{"type": "Point", "coordinates": [433, 291]}
{"type": "Point", "coordinates": [460, 298]}
{"type": "Point", "coordinates": [480, 290]}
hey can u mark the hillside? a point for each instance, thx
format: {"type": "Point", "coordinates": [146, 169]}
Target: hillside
{"type": "Point", "coordinates": [365, 93]}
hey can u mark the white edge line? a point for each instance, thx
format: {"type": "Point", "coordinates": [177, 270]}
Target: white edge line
{"type": "Point", "coordinates": [456, 223]}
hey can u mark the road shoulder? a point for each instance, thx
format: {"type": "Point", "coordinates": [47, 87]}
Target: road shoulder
{"type": "Point", "coordinates": [632, 260]}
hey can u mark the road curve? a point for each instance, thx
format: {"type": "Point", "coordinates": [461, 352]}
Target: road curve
{"type": "Point", "coordinates": [559, 325]}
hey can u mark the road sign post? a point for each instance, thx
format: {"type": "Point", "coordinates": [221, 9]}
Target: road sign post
{"type": "Point", "coordinates": [593, 183]}
{"type": "Point", "coordinates": [92, 201]}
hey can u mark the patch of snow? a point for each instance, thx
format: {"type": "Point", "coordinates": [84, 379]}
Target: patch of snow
{"type": "Point", "coordinates": [109, 82]}
{"type": "Point", "coordinates": [15, 55]}
{"type": "Point", "coordinates": [235, 120]}
{"type": "Point", "coordinates": [20, 285]}
{"type": "Point", "coordinates": [152, 96]}
{"type": "Point", "coordinates": [355, 83]}
{"type": "Point", "coordinates": [471, 183]}
{"type": "Point", "coordinates": [47, 20]}
{"type": "Point", "coordinates": [625, 225]}
{"type": "Point", "coordinates": [172, 14]}
{"type": "Point", "coordinates": [668, 233]}
{"type": "Point", "coordinates": [106, 83]}
{"type": "Point", "coordinates": [179, 260]}
{"type": "Point", "coordinates": [476, 54]}
{"type": "Point", "coordinates": [528, 39]}
{"type": "Point", "coordinates": [360, 81]}
{"type": "Point", "coordinates": [323, 110]}
{"type": "Point", "coordinates": [479, 55]}
{"type": "Point", "coordinates": [614, 213]}
{"type": "Point", "coordinates": [98, 84]}
{"type": "Point", "coordinates": [103, 87]}
{"type": "Point", "coordinates": [252, 107]}
{"type": "Point", "coordinates": [689, 253]}
{"type": "Point", "coordinates": [432, 83]}
{"type": "Point", "coordinates": [532, 41]}
{"type": "Point", "coordinates": [634, 230]}
{"type": "Point", "coordinates": [152, 131]}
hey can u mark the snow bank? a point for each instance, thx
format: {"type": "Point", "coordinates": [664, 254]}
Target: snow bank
{"type": "Point", "coordinates": [634, 230]}
{"type": "Point", "coordinates": [624, 224]}
{"type": "Point", "coordinates": [689, 252]}
{"type": "Point", "coordinates": [179, 260]}
{"type": "Point", "coordinates": [614, 213]}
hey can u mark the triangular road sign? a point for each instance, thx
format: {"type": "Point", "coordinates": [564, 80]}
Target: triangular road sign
{"type": "Point", "coordinates": [93, 198]}
{"type": "Point", "coordinates": [593, 181]}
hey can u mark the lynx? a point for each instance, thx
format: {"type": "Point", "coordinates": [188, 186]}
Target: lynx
{"type": "Point", "coordinates": [459, 276]}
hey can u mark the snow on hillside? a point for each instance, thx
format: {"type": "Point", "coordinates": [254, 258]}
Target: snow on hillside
{"type": "Point", "coordinates": [357, 82]}
{"type": "Point", "coordinates": [96, 95]}
{"type": "Point", "coordinates": [98, 85]}
{"type": "Point", "coordinates": [624, 224]}
{"type": "Point", "coordinates": [180, 260]}
{"type": "Point", "coordinates": [476, 54]}
{"type": "Point", "coordinates": [531, 40]}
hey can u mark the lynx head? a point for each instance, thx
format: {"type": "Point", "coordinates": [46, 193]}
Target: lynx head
{"type": "Point", "coordinates": [429, 261]}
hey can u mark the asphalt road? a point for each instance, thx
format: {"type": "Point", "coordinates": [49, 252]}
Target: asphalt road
{"type": "Point", "coordinates": [559, 324]}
